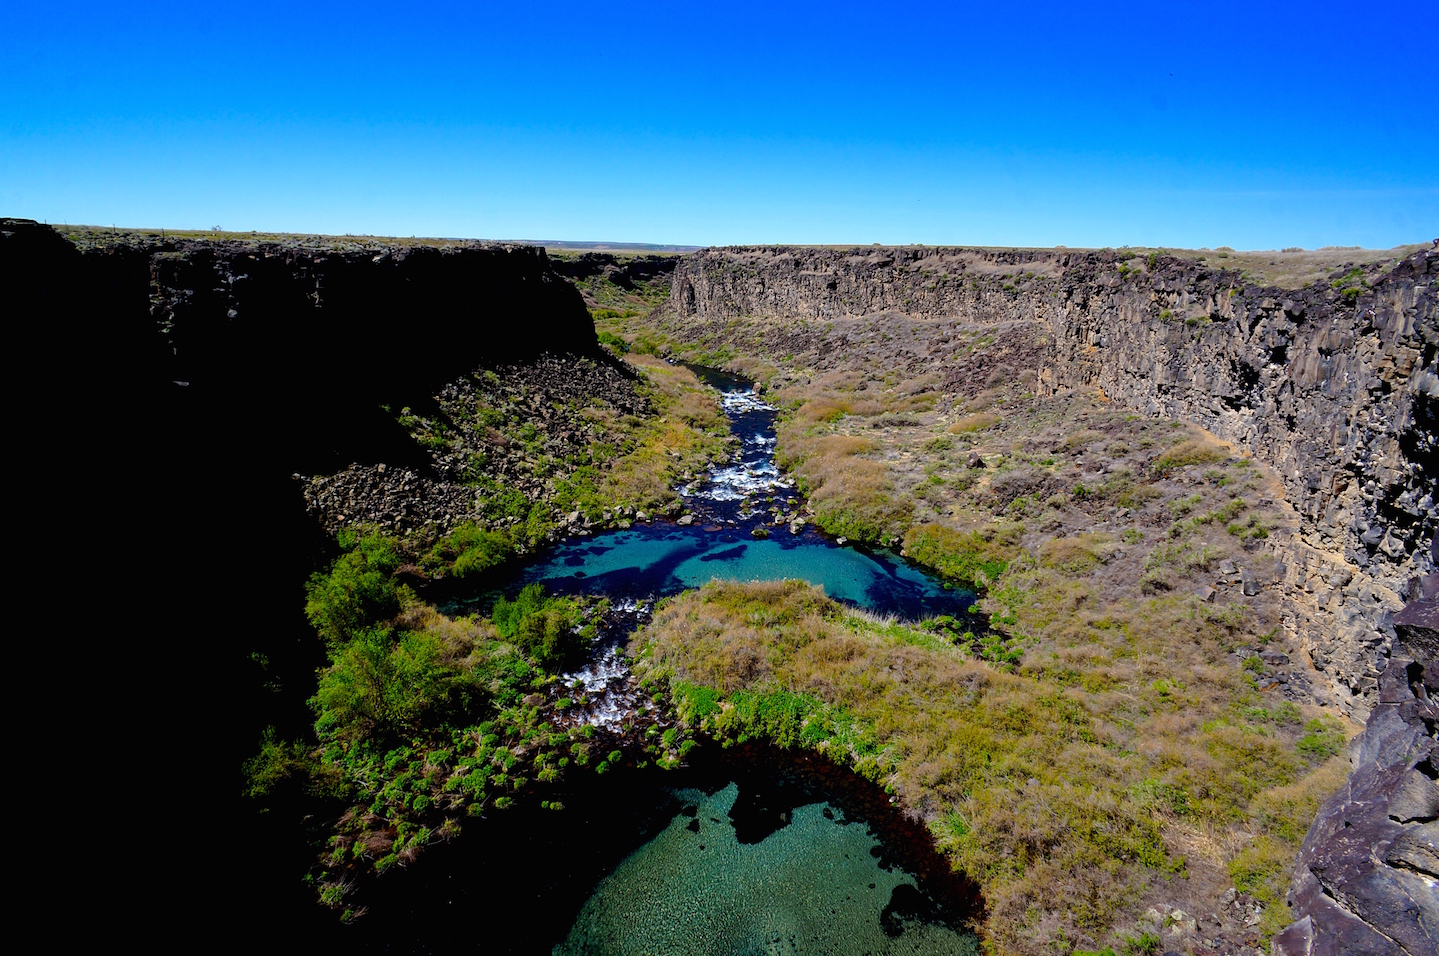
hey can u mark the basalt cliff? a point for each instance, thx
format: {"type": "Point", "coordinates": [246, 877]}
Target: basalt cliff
{"type": "Point", "coordinates": [1333, 383]}
{"type": "Point", "coordinates": [168, 391]}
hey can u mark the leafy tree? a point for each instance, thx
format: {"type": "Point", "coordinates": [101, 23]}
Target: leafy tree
{"type": "Point", "coordinates": [547, 629]}
{"type": "Point", "coordinates": [357, 590]}
{"type": "Point", "coordinates": [387, 685]}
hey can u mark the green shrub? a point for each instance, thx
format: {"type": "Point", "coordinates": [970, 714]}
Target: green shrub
{"type": "Point", "coordinates": [612, 341]}
{"type": "Point", "coordinates": [358, 589]}
{"type": "Point", "coordinates": [1324, 738]}
{"type": "Point", "coordinates": [546, 628]}
{"type": "Point", "coordinates": [470, 551]}
{"type": "Point", "coordinates": [1262, 870]}
{"type": "Point", "coordinates": [281, 764]}
{"type": "Point", "coordinates": [1145, 944]}
{"type": "Point", "coordinates": [389, 684]}
{"type": "Point", "coordinates": [694, 703]}
{"type": "Point", "coordinates": [777, 716]}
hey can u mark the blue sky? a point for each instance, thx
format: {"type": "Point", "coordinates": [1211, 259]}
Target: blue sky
{"type": "Point", "coordinates": [1251, 125]}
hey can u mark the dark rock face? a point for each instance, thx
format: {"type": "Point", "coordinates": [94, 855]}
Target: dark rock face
{"type": "Point", "coordinates": [165, 392]}
{"type": "Point", "coordinates": [304, 338]}
{"type": "Point", "coordinates": [624, 271]}
{"type": "Point", "coordinates": [1367, 880]}
{"type": "Point", "coordinates": [1336, 389]}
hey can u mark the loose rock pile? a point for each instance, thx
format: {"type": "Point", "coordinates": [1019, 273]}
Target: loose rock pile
{"type": "Point", "coordinates": [543, 395]}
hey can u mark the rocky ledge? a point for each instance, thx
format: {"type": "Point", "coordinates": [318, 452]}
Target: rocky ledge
{"type": "Point", "coordinates": [1367, 880]}
{"type": "Point", "coordinates": [539, 397]}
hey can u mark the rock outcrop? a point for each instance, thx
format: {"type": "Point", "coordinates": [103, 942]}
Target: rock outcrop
{"type": "Point", "coordinates": [1333, 384]}
{"type": "Point", "coordinates": [625, 271]}
{"type": "Point", "coordinates": [1367, 880]}
{"type": "Point", "coordinates": [1336, 389]}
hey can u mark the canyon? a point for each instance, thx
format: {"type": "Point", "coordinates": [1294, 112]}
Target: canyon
{"type": "Point", "coordinates": [1332, 383]}
{"type": "Point", "coordinates": [248, 398]}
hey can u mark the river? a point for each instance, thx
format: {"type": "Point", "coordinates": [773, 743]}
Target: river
{"type": "Point", "coordinates": [755, 852]}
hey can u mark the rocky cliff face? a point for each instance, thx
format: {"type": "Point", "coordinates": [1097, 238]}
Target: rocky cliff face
{"type": "Point", "coordinates": [1367, 879]}
{"type": "Point", "coordinates": [1337, 391]}
{"type": "Point", "coordinates": [163, 394]}
{"type": "Point", "coordinates": [1333, 384]}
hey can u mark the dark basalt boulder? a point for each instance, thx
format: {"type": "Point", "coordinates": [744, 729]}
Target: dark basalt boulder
{"type": "Point", "coordinates": [1367, 880]}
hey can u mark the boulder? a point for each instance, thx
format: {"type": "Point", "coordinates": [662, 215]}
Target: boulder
{"type": "Point", "coordinates": [1364, 884]}
{"type": "Point", "coordinates": [1416, 849]}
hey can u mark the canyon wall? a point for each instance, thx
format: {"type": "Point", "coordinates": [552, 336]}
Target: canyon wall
{"type": "Point", "coordinates": [1337, 392]}
{"type": "Point", "coordinates": [1333, 384]}
{"type": "Point", "coordinates": [162, 393]}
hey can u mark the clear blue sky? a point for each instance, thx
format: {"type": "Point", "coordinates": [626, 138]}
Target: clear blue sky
{"type": "Point", "coordinates": [1253, 125]}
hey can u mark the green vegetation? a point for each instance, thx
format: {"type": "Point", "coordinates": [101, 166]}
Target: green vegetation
{"type": "Point", "coordinates": [613, 342]}
{"type": "Point", "coordinates": [1064, 786]}
{"type": "Point", "coordinates": [1351, 284]}
{"type": "Point", "coordinates": [549, 630]}
{"type": "Point", "coordinates": [358, 590]}
{"type": "Point", "coordinates": [420, 719]}
{"type": "Point", "coordinates": [470, 550]}
{"type": "Point", "coordinates": [973, 559]}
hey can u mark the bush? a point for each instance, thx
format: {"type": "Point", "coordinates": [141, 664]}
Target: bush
{"type": "Point", "coordinates": [358, 589]}
{"type": "Point", "coordinates": [470, 551]}
{"type": "Point", "coordinates": [548, 629]}
{"type": "Point", "coordinates": [284, 764]}
{"type": "Point", "coordinates": [1323, 739]}
{"type": "Point", "coordinates": [1190, 452]}
{"type": "Point", "coordinates": [612, 341]}
{"type": "Point", "coordinates": [387, 684]}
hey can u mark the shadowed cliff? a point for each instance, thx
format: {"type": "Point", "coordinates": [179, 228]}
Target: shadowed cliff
{"type": "Point", "coordinates": [165, 393]}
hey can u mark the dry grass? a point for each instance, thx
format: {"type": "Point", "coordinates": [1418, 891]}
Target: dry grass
{"type": "Point", "coordinates": [1078, 554]}
{"type": "Point", "coordinates": [1201, 450]}
{"type": "Point", "coordinates": [1129, 738]}
{"type": "Point", "coordinates": [1126, 744]}
{"type": "Point", "coordinates": [1293, 270]}
{"type": "Point", "coordinates": [973, 423]}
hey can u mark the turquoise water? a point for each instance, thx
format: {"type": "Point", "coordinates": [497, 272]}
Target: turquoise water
{"type": "Point", "coordinates": [806, 880]}
{"type": "Point", "coordinates": [667, 559]}
{"type": "Point", "coordinates": [739, 498]}
{"type": "Point", "coordinates": [813, 886]}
